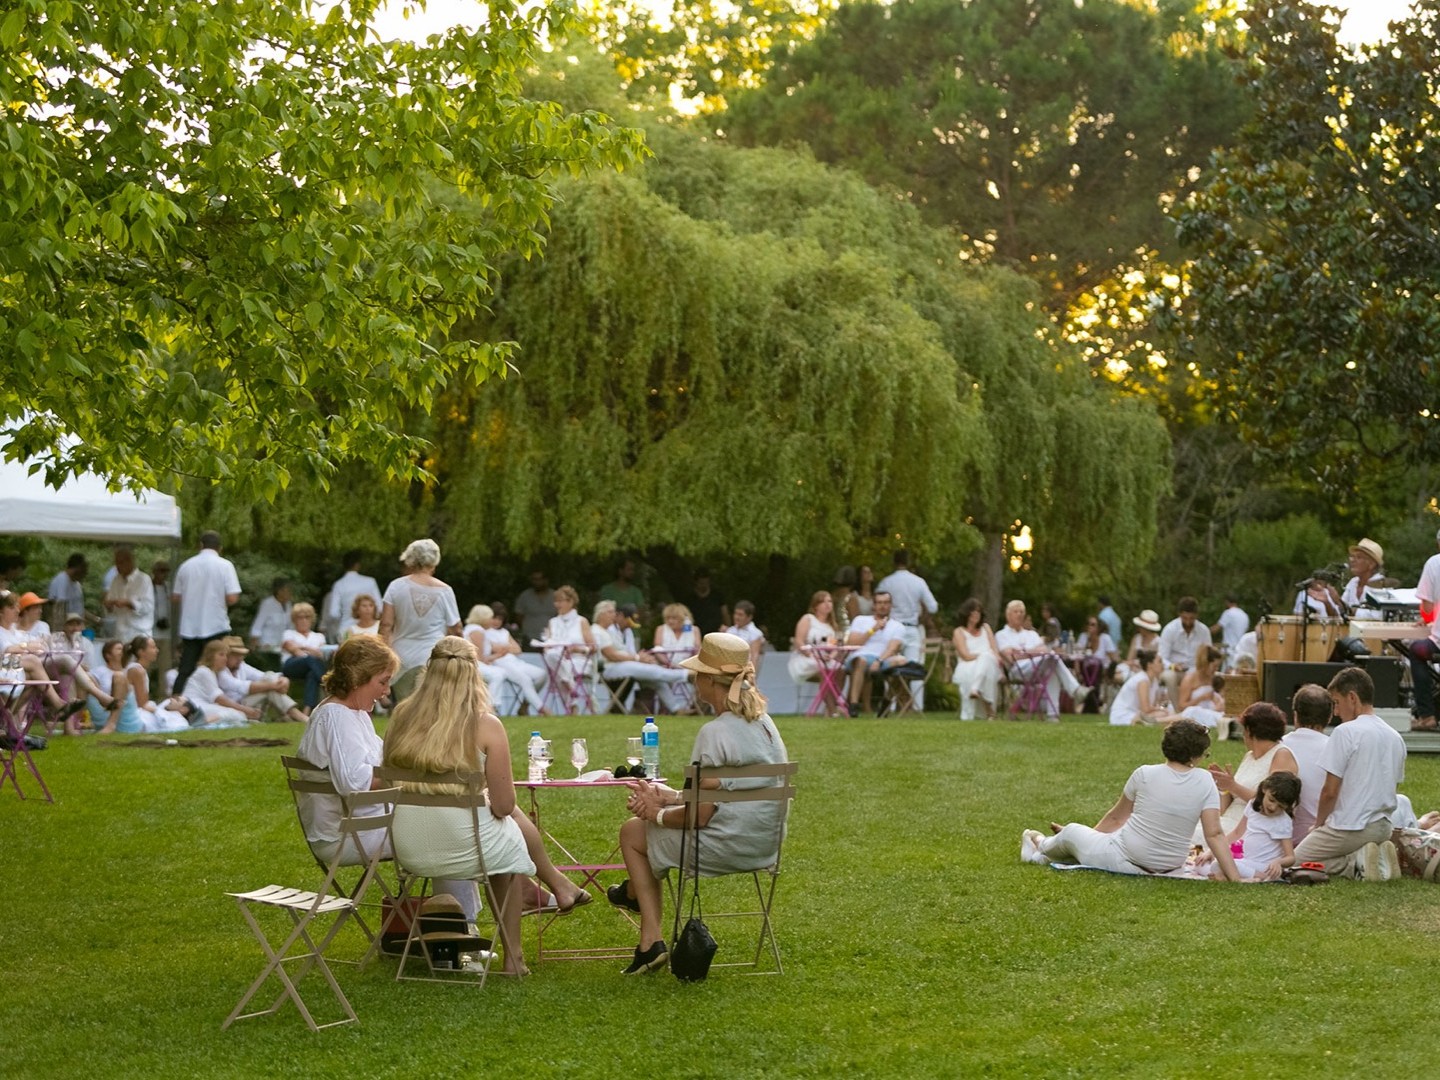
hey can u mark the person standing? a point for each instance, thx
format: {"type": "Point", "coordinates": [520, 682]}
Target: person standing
{"type": "Point", "coordinates": [709, 611]}
{"type": "Point", "coordinates": [130, 599]}
{"type": "Point", "coordinates": [1232, 625]}
{"type": "Point", "coordinates": [66, 593]}
{"type": "Point", "coordinates": [347, 587]}
{"type": "Point", "coordinates": [1110, 619]}
{"type": "Point", "coordinates": [1364, 762]}
{"type": "Point", "coordinates": [535, 607]}
{"type": "Point", "coordinates": [164, 627]}
{"type": "Point", "coordinates": [623, 589]}
{"type": "Point", "coordinates": [206, 587]}
{"type": "Point", "coordinates": [913, 606]}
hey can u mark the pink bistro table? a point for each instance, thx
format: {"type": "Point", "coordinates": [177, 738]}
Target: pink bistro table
{"type": "Point", "coordinates": [832, 660]}
{"type": "Point", "coordinates": [569, 862]}
{"type": "Point", "coordinates": [16, 728]}
{"type": "Point", "coordinates": [568, 685]}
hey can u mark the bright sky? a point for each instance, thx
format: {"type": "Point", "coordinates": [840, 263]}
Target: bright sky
{"type": "Point", "coordinates": [1366, 20]}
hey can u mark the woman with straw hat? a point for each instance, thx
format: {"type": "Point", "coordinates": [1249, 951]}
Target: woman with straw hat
{"type": "Point", "coordinates": [737, 836]}
{"type": "Point", "coordinates": [1147, 636]}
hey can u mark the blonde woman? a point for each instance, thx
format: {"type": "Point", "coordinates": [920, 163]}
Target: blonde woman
{"type": "Point", "coordinates": [500, 658]}
{"type": "Point", "coordinates": [418, 609]}
{"type": "Point", "coordinates": [737, 836]}
{"type": "Point", "coordinates": [447, 725]}
{"type": "Point", "coordinates": [817, 626]}
{"type": "Point", "coordinates": [303, 650]}
{"type": "Point", "coordinates": [365, 617]}
{"type": "Point", "coordinates": [1200, 699]}
{"type": "Point", "coordinates": [678, 631]}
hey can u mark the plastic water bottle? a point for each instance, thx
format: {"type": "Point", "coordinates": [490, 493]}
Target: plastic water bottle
{"type": "Point", "coordinates": [650, 748]}
{"type": "Point", "coordinates": [536, 772]}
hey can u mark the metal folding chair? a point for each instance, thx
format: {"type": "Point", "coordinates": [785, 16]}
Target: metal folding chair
{"type": "Point", "coordinates": [1031, 676]}
{"type": "Point", "coordinates": [305, 910]}
{"type": "Point", "coordinates": [304, 776]}
{"type": "Point", "coordinates": [568, 685]}
{"type": "Point", "coordinates": [441, 948]}
{"type": "Point", "coordinates": [16, 720]}
{"type": "Point", "coordinates": [750, 783]}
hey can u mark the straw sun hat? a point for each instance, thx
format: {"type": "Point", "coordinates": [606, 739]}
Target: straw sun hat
{"type": "Point", "coordinates": [1147, 620]}
{"type": "Point", "coordinates": [1371, 549]}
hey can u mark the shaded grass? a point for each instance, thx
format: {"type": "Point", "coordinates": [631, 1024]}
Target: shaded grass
{"type": "Point", "coordinates": [915, 942]}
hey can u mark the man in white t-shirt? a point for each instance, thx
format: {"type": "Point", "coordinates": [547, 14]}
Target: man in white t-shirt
{"type": "Point", "coordinates": [343, 593]}
{"type": "Point", "coordinates": [1232, 625]}
{"type": "Point", "coordinates": [1179, 642]}
{"type": "Point", "coordinates": [881, 640]}
{"type": "Point", "coordinates": [205, 588]}
{"type": "Point", "coordinates": [1423, 653]}
{"type": "Point", "coordinates": [1312, 708]}
{"type": "Point", "coordinates": [66, 594]}
{"type": "Point", "coordinates": [1026, 658]}
{"type": "Point", "coordinates": [1364, 762]}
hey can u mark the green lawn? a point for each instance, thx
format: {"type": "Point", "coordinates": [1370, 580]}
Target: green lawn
{"type": "Point", "coordinates": [915, 942]}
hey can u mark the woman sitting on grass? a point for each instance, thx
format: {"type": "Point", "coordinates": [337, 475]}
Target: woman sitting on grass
{"type": "Point", "coordinates": [1201, 699]}
{"type": "Point", "coordinates": [1148, 830]}
{"type": "Point", "coordinates": [734, 837]}
{"type": "Point", "coordinates": [1262, 726]}
{"type": "Point", "coordinates": [447, 726]}
{"type": "Point", "coordinates": [1136, 702]}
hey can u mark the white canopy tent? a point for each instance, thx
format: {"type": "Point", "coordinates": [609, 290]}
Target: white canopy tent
{"type": "Point", "coordinates": [82, 509]}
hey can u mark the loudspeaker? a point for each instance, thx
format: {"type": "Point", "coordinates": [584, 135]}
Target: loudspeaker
{"type": "Point", "coordinates": [1283, 678]}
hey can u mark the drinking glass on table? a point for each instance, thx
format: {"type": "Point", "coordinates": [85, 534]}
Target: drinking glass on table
{"type": "Point", "coordinates": [632, 751]}
{"type": "Point", "coordinates": [579, 755]}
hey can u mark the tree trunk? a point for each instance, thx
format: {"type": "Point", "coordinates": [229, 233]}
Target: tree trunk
{"type": "Point", "coordinates": [990, 577]}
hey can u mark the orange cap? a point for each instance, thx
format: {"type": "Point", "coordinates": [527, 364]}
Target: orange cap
{"type": "Point", "coordinates": [29, 600]}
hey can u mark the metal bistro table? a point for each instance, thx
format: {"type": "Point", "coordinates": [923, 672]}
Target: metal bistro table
{"type": "Point", "coordinates": [569, 862]}
{"type": "Point", "coordinates": [17, 728]}
{"type": "Point", "coordinates": [831, 660]}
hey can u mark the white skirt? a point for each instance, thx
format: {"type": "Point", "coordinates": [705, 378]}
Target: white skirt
{"type": "Point", "coordinates": [439, 842]}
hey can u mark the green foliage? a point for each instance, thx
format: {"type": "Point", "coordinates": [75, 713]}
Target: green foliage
{"type": "Point", "coordinates": [1045, 131]}
{"type": "Point", "coordinates": [972, 983]}
{"type": "Point", "coordinates": [221, 254]}
{"type": "Point", "coordinates": [704, 49]}
{"type": "Point", "coordinates": [1314, 298]}
{"type": "Point", "coordinates": [1264, 558]}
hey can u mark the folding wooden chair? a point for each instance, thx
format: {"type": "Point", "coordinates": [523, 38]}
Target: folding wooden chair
{"type": "Point", "coordinates": [770, 783]}
{"type": "Point", "coordinates": [441, 948]}
{"type": "Point", "coordinates": [305, 909]}
{"type": "Point", "coordinates": [304, 776]}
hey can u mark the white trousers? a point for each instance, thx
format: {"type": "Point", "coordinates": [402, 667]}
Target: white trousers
{"type": "Point", "coordinates": [526, 678]}
{"type": "Point", "coordinates": [661, 679]}
{"type": "Point", "coordinates": [1077, 843]}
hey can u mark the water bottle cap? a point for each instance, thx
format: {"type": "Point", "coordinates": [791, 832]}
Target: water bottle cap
{"type": "Point", "coordinates": [534, 734]}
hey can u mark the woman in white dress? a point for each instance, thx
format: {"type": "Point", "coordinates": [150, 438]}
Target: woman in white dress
{"type": "Point", "coordinates": [1136, 703]}
{"type": "Point", "coordinates": [977, 661]}
{"type": "Point", "coordinates": [500, 662]}
{"type": "Point", "coordinates": [1147, 636]}
{"type": "Point", "coordinates": [447, 726]}
{"type": "Point", "coordinates": [815, 627]}
{"type": "Point", "coordinates": [677, 633]}
{"type": "Point", "coordinates": [419, 609]}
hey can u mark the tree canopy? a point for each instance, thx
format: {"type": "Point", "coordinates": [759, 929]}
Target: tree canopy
{"type": "Point", "coordinates": [1315, 306]}
{"type": "Point", "coordinates": [225, 250]}
{"type": "Point", "coordinates": [1048, 132]}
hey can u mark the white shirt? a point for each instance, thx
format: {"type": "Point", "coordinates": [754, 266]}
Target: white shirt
{"type": "Point", "coordinates": [1126, 707]}
{"type": "Point", "coordinates": [342, 740]}
{"type": "Point", "coordinates": [1023, 640]}
{"type": "Point", "coordinates": [1308, 746]}
{"type": "Point", "coordinates": [203, 687]}
{"type": "Point", "coordinates": [1177, 648]}
{"type": "Point", "coordinates": [423, 615]}
{"type": "Point", "coordinates": [202, 583]}
{"type": "Point", "coordinates": [272, 620]}
{"type": "Point", "coordinates": [342, 598]}
{"type": "Point", "coordinates": [1263, 833]}
{"type": "Point", "coordinates": [1351, 597]}
{"type": "Point", "coordinates": [140, 590]}
{"type": "Point", "coordinates": [1168, 803]}
{"type": "Point", "coordinates": [69, 591]}
{"type": "Point", "coordinates": [311, 640]}
{"type": "Point", "coordinates": [1234, 624]}
{"type": "Point", "coordinates": [1369, 757]}
{"type": "Point", "coordinates": [1429, 590]}
{"type": "Point", "coordinates": [748, 633]}
{"type": "Point", "coordinates": [236, 684]}
{"type": "Point", "coordinates": [908, 596]}
{"type": "Point", "coordinates": [874, 640]}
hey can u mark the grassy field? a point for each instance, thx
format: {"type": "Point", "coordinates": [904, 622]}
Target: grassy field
{"type": "Point", "coordinates": [915, 941]}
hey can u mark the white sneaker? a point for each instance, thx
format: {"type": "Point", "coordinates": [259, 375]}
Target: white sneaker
{"type": "Point", "coordinates": [1030, 848]}
{"type": "Point", "coordinates": [1368, 868]}
{"type": "Point", "coordinates": [1389, 861]}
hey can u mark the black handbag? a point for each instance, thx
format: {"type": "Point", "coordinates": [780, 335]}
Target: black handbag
{"type": "Point", "coordinates": [694, 946]}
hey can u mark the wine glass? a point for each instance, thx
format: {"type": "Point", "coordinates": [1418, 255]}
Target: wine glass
{"type": "Point", "coordinates": [632, 751]}
{"type": "Point", "coordinates": [579, 755]}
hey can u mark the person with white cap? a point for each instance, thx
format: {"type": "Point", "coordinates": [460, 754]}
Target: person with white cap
{"type": "Point", "coordinates": [736, 837]}
{"type": "Point", "coordinates": [1367, 561]}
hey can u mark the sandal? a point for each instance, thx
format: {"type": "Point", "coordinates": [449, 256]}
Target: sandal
{"type": "Point", "coordinates": [580, 901]}
{"type": "Point", "coordinates": [1426, 723]}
